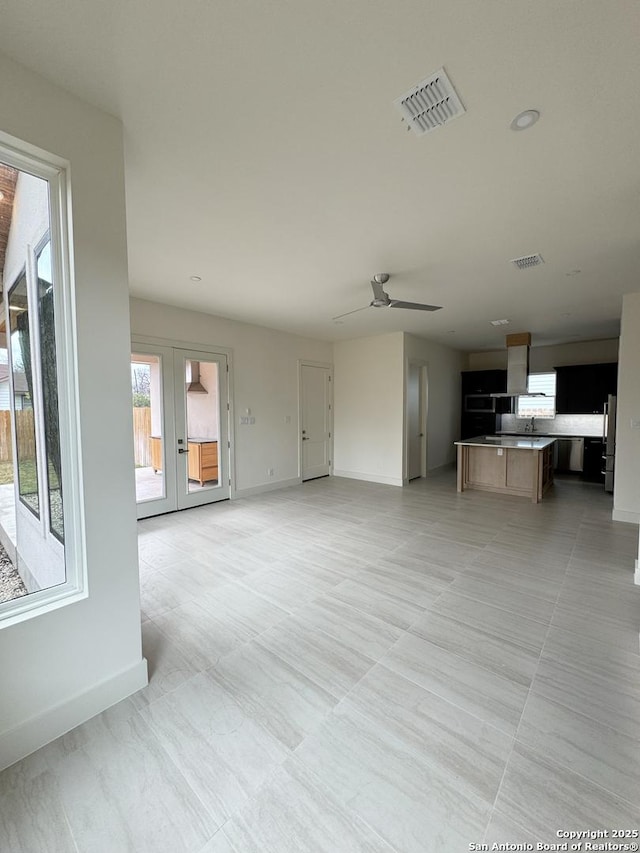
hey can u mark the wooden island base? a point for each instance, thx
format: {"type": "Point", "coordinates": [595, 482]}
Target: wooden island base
{"type": "Point", "coordinates": [507, 470]}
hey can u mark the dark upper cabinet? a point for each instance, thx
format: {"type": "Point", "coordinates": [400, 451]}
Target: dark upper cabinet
{"type": "Point", "coordinates": [582, 389]}
{"type": "Point", "coordinates": [484, 382]}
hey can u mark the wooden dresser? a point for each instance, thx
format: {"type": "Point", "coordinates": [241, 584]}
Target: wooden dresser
{"type": "Point", "coordinates": [203, 459]}
{"type": "Point", "coordinates": [155, 446]}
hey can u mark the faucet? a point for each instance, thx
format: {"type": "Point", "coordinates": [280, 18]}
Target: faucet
{"type": "Point", "coordinates": [531, 426]}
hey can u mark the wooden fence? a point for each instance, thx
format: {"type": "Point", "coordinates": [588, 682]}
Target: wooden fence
{"type": "Point", "coordinates": [26, 435]}
{"type": "Point", "coordinates": [141, 433]}
{"type": "Point", "coordinates": [26, 438]}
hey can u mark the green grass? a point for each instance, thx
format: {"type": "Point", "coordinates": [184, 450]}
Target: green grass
{"type": "Point", "coordinates": [27, 475]}
{"type": "Point", "coordinates": [6, 473]}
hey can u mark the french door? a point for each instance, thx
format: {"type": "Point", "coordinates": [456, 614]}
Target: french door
{"type": "Point", "coordinates": [181, 428]}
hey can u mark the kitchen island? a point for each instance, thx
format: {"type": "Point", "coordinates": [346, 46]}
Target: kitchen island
{"type": "Point", "coordinates": [508, 465]}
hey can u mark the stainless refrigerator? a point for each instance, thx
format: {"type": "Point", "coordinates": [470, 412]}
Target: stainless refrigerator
{"type": "Point", "coordinates": [609, 442]}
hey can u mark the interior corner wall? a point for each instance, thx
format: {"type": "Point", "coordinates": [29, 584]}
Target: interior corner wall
{"type": "Point", "coordinates": [265, 380]}
{"type": "Point", "coordinates": [443, 396]}
{"type": "Point", "coordinates": [369, 408]}
{"type": "Point", "coordinates": [66, 665]}
{"type": "Point", "coordinates": [626, 496]}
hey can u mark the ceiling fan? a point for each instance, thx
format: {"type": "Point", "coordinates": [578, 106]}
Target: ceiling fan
{"type": "Point", "coordinates": [383, 300]}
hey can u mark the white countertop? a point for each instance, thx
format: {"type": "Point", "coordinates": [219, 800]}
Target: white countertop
{"type": "Point", "coordinates": [542, 434]}
{"type": "Point", "coordinates": [523, 443]}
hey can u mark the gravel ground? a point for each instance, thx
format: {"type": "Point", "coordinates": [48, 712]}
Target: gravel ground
{"type": "Point", "coordinates": [11, 585]}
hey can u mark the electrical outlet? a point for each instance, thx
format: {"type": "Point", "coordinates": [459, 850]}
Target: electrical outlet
{"type": "Point", "coordinates": [500, 451]}
{"type": "Point", "coordinates": [252, 420]}
{"type": "Point", "coordinates": [270, 472]}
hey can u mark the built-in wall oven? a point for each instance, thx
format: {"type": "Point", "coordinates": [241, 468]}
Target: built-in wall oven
{"type": "Point", "coordinates": [480, 403]}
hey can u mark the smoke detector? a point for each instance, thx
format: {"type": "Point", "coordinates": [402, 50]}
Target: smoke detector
{"type": "Point", "coordinates": [527, 261]}
{"type": "Point", "coordinates": [432, 103]}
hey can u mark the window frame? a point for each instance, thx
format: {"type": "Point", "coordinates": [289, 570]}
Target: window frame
{"type": "Point", "coordinates": [527, 396]}
{"type": "Point", "coordinates": [56, 171]}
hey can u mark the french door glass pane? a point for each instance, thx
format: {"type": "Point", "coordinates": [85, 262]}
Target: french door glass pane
{"type": "Point", "coordinates": [148, 440]}
{"type": "Point", "coordinates": [202, 404]}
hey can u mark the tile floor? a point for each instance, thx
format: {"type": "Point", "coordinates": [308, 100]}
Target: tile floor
{"type": "Point", "coordinates": [343, 666]}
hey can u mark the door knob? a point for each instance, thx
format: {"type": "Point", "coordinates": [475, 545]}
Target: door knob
{"type": "Point", "coordinates": [182, 450]}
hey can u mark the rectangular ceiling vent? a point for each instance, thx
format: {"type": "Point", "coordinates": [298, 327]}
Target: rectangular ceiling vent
{"type": "Point", "coordinates": [527, 261]}
{"type": "Point", "coordinates": [430, 104]}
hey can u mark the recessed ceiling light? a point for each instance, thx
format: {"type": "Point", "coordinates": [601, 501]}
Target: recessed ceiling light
{"type": "Point", "coordinates": [1, 195]}
{"type": "Point", "coordinates": [504, 322]}
{"type": "Point", "coordinates": [195, 277]}
{"type": "Point", "coordinates": [573, 272]}
{"type": "Point", "coordinates": [525, 120]}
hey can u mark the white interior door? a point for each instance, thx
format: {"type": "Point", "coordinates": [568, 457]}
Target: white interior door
{"type": "Point", "coordinates": [180, 416]}
{"type": "Point", "coordinates": [416, 421]}
{"type": "Point", "coordinates": [315, 420]}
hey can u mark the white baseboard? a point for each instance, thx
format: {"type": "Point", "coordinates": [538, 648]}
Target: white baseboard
{"type": "Point", "coordinates": [40, 730]}
{"type": "Point", "coordinates": [266, 487]}
{"type": "Point", "coordinates": [623, 515]}
{"type": "Point", "coordinates": [369, 478]}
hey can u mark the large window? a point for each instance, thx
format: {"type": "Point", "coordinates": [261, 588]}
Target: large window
{"type": "Point", "coordinates": [41, 546]}
{"type": "Point", "coordinates": [49, 373]}
{"type": "Point", "coordinates": [24, 425]}
{"type": "Point", "coordinates": [536, 406]}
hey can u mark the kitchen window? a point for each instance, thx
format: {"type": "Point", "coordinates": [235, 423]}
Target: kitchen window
{"type": "Point", "coordinates": [538, 406]}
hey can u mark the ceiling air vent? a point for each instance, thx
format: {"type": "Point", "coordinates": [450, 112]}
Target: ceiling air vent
{"type": "Point", "coordinates": [527, 261]}
{"type": "Point", "coordinates": [430, 104]}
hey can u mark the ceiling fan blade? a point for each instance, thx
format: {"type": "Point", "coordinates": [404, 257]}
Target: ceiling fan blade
{"type": "Point", "coordinates": [355, 311]}
{"type": "Point", "coordinates": [378, 292]}
{"type": "Point", "coordinates": [416, 306]}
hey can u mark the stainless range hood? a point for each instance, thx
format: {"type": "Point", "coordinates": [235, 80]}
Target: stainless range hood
{"type": "Point", "coordinates": [517, 365]}
{"type": "Point", "coordinates": [194, 386]}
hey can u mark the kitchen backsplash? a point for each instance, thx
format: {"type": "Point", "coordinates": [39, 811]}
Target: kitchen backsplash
{"type": "Point", "coordinates": [561, 424]}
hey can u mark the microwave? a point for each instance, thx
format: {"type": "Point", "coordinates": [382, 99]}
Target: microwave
{"type": "Point", "coordinates": [480, 403]}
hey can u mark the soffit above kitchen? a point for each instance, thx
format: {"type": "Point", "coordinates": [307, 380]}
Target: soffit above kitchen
{"type": "Point", "coordinates": [269, 172]}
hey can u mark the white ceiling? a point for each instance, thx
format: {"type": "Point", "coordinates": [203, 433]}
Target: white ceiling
{"type": "Point", "coordinates": [264, 154]}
